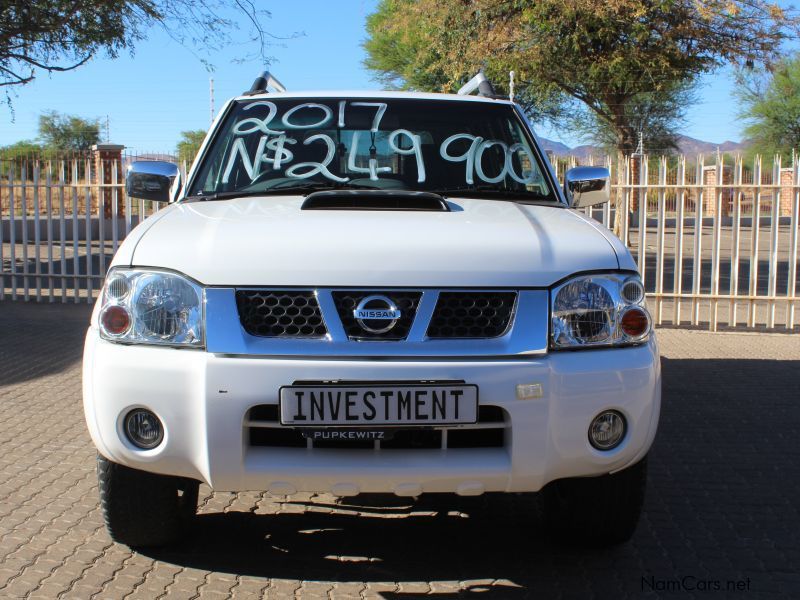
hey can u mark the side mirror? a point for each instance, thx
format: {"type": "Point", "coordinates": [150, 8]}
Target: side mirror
{"type": "Point", "coordinates": [151, 180]}
{"type": "Point", "coordinates": [587, 186]}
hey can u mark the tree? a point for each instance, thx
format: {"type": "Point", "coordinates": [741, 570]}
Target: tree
{"type": "Point", "coordinates": [22, 150]}
{"type": "Point", "coordinates": [401, 57]}
{"type": "Point", "coordinates": [658, 116]}
{"type": "Point", "coordinates": [189, 144]}
{"type": "Point", "coordinates": [68, 133]}
{"type": "Point", "coordinates": [60, 35]}
{"type": "Point", "coordinates": [596, 60]}
{"type": "Point", "coordinates": [771, 106]}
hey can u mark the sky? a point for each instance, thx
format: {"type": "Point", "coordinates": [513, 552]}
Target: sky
{"type": "Point", "coordinates": [163, 89]}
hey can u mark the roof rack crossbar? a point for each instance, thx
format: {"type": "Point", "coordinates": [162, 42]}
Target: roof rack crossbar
{"type": "Point", "coordinates": [262, 82]}
{"type": "Point", "coordinates": [480, 83]}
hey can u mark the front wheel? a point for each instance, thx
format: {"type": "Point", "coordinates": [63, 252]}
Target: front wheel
{"type": "Point", "coordinates": [599, 511]}
{"type": "Point", "coordinates": [144, 509]}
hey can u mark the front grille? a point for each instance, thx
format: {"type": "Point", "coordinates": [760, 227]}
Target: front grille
{"type": "Point", "coordinates": [472, 314]}
{"type": "Point", "coordinates": [280, 314]}
{"type": "Point", "coordinates": [406, 302]}
{"type": "Point", "coordinates": [263, 429]}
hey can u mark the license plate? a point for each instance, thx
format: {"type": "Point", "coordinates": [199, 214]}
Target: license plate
{"type": "Point", "coordinates": [395, 404]}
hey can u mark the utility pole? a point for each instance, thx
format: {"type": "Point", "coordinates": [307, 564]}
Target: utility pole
{"type": "Point", "coordinates": [640, 145]}
{"type": "Point", "coordinates": [211, 96]}
{"type": "Point", "coordinates": [108, 129]}
{"type": "Point", "coordinates": [637, 175]}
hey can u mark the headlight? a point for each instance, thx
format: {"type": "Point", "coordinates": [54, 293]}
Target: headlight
{"type": "Point", "coordinates": [598, 310]}
{"type": "Point", "coordinates": [152, 307]}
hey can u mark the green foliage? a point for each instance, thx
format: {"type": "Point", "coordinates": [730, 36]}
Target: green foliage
{"type": "Point", "coordinates": [60, 35]}
{"type": "Point", "coordinates": [657, 115]}
{"type": "Point", "coordinates": [22, 150]}
{"type": "Point", "coordinates": [189, 144]}
{"type": "Point", "coordinates": [23, 156]}
{"type": "Point", "coordinates": [58, 135]}
{"type": "Point", "coordinates": [597, 61]}
{"type": "Point", "coordinates": [68, 133]}
{"type": "Point", "coordinates": [771, 107]}
{"type": "Point", "coordinates": [399, 57]}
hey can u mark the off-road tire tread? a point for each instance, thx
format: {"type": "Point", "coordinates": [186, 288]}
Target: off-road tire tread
{"type": "Point", "coordinates": [142, 509]}
{"type": "Point", "coordinates": [595, 511]}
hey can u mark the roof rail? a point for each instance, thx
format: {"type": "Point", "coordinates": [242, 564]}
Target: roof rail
{"type": "Point", "coordinates": [266, 79]}
{"type": "Point", "coordinates": [480, 83]}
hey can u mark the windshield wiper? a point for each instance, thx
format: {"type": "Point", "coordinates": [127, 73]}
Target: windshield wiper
{"type": "Point", "coordinates": [291, 186]}
{"type": "Point", "coordinates": [221, 195]}
{"type": "Point", "coordinates": [282, 188]}
{"type": "Point", "coordinates": [490, 190]}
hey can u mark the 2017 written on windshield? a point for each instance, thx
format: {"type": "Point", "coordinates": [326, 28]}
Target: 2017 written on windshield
{"type": "Point", "coordinates": [274, 145]}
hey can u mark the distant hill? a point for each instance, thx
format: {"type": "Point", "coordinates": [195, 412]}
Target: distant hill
{"type": "Point", "coordinates": [556, 148]}
{"type": "Point", "coordinates": [686, 145]}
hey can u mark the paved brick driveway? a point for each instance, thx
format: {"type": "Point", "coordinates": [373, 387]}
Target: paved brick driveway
{"type": "Point", "coordinates": [723, 503]}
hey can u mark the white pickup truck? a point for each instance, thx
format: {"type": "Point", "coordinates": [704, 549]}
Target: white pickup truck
{"type": "Point", "coordinates": [371, 292]}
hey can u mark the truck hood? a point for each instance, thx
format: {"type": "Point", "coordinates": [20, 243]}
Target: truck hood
{"type": "Point", "coordinates": [270, 241]}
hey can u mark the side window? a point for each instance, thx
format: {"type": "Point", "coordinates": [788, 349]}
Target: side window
{"type": "Point", "coordinates": [217, 162]}
{"type": "Point", "coordinates": [522, 165]}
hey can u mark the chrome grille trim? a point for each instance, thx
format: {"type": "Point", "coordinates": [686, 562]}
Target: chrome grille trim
{"type": "Point", "coordinates": [527, 334]}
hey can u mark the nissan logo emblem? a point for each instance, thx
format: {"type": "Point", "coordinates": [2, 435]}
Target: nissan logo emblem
{"type": "Point", "coordinates": [376, 314]}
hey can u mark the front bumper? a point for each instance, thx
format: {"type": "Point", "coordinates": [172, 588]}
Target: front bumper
{"type": "Point", "coordinates": [202, 399]}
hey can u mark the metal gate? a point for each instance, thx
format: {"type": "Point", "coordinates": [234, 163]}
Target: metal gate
{"type": "Point", "coordinates": [716, 242]}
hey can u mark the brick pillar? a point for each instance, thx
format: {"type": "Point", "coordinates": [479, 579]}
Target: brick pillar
{"type": "Point", "coordinates": [710, 190]}
{"type": "Point", "coordinates": [787, 192]}
{"type": "Point", "coordinates": [105, 157]}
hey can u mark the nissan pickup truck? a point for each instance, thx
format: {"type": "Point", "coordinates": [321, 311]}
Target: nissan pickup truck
{"type": "Point", "coordinates": [371, 292]}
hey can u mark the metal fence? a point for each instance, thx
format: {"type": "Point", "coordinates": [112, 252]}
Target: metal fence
{"type": "Point", "coordinates": [61, 222]}
{"type": "Point", "coordinates": [715, 241]}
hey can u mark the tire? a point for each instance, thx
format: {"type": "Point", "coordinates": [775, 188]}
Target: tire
{"type": "Point", "coordinates": [144, 509]}
{"type": "Point", "coordinates": [595, 511]}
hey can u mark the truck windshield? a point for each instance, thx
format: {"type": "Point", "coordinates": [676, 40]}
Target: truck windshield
{"type": "Point", "coordinates": [452, 147]}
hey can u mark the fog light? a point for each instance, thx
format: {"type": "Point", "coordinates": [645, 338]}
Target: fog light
{"type": "Point", "coordinates": [143, 428]}
{"type": "Point", "coordinates": [607, 430]}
